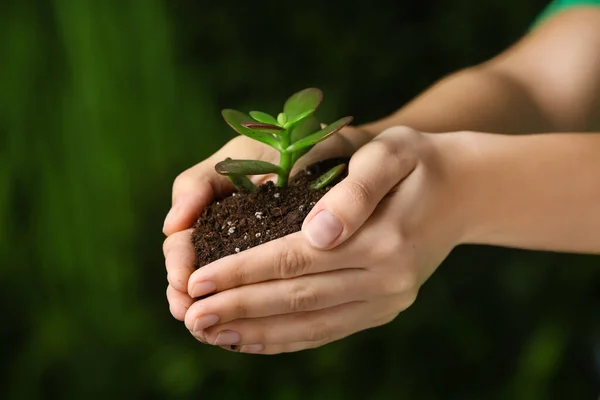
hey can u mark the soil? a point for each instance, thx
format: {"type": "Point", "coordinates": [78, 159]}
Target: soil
{"type": "Point", "coordinates": [244, 220]}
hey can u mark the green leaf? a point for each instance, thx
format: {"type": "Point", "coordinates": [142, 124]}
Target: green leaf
{"type": "Point", "coordinates": [301, 130]}
{"type": "Point", "coordinates": [328, 177]}
{"type": "Point", "coordinates": [262, 127]}
{"type": "Point", "coordinates": [242, 183]}
{"type": "Point", "coordinates": [263, 117]}
{"type": "Point", "coordinates": [319, 136]}
{"type": "Point", "coordinates": [304, 128]}
{"type": "Point", "coordinates": [302, 104]}
{"type": "Point", "coordinates": [246, 167]}
{"type": "Point", "coordinates": [282, 119]}
{"type": "Point", "coordinates": [236, 119]}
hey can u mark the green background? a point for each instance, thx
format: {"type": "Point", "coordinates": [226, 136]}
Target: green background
{"type": "Point", "coordinates": [105, 102]}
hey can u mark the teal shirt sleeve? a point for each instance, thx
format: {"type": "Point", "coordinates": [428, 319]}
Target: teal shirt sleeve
{"type": "Point", "coordinates": [557, 6]}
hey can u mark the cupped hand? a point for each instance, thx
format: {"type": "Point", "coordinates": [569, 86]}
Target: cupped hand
{"type": "Point", "coordinates": [364, 251]}
{"type": "Point", "coordinates": [198, 186]}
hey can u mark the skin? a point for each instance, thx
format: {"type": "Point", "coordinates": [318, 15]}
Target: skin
{"type": "Point", "coordinates": [390, 228]}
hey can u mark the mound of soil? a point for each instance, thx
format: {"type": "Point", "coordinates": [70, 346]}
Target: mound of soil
{"type": "Point", "coordinates": [244, 220]}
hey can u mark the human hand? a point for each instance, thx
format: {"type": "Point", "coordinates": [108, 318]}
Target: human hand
{"type": "Point", "coordinates": [196, 188]}
{"type": "Point", "coordinates": [373, 240]}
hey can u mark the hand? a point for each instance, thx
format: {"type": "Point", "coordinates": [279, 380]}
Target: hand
{"type": "Point", "coordinates": [373, 240]}
{"type": "Point", "coordinates": [196, 188]}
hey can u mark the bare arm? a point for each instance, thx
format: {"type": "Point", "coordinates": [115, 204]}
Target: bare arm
{"type": "Point", "coordinates": [547, 82]}
{"type": "Point", "coordinates": [538, 192]}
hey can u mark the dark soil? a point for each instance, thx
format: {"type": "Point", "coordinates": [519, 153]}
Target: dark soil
{"type": "Point", "coordinates": [244, 220]}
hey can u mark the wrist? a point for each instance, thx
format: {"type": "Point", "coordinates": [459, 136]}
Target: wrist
{"type": "Point", "coordinates": [457, 157]}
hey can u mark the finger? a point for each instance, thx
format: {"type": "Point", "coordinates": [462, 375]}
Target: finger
{"type": "Point", "coordinates": [178, 302]}
{"type": "Point", "coordinates": [273, 348]}
{"type": "Point", "coordinates": [287, 257]}
{"type": "Point", "coordinates": [198, 186]}
{"type": "Point", "coordinates": [180, 259]}
{"type": "Point", "coordinates": [268, 350]}
{"type": "Point", "coordinates": [317, 327]}
{"type": "Point", "coordinates": [306, 293]}
{"type": "Point", "coordinates": [193, 190]}
{"type": "Point", "coordinates": [373, 171]}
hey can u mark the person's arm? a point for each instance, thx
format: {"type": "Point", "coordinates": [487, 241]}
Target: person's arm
{"type": "Point", "coordinates": [547, 82]}
{"type": "Point", "coordinates": [410, 198]}
{"type": "Point", "coordinates": [539, 192]}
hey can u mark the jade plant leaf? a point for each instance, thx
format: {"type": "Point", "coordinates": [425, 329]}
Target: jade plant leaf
{"type": "Point", "coordinates": [242, 183]}
{"type": "Point", "coordinates": [319, 136]}
{"type": "Point", "coordinates": [262, 127]}
{"type": "Point", "coordinates": [304, 128]}
{"type": "Point", "coordinates": [302, 104]}
{"type": "Point", "coordinates": [282, 119]}
{"type": "Point", "coordinates": [236, 119]}
{"type": "Point", "coordinates": [301, 130]}
{"type": "Point", "coordinates": [246, 167]}
{"type": "Point", "coordinates": [328, 177]}
{"type": "Point", "coordinates": [263, 117]}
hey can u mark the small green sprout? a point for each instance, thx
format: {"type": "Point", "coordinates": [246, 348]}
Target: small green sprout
{"type": "Point", "coordinates": [293, 133]}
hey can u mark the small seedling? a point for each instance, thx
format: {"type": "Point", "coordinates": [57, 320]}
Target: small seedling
{"type": "Point", "coordinates": [293, 133]}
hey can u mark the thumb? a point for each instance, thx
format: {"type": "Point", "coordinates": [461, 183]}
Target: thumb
{"type": "Point", "coordinates": [373, 171]}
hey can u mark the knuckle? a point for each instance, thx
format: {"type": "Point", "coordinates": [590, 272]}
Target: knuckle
{"type": "Point", "coordinates": [394, 258]}
{"type": "Point", "coordinates": [397, 146]}
{"type": "Point", "coordinates": [301, 299]}
{"type": "Point", "coordinates": [360, 191]}
{"type": "Point", "coordinates": [182, 181]}
{"type": "Point", "coordinates": [191, 180]}
{"type": "Point", "coordinates": [401, 132]}
{"type": "Point", "coordinates": [386, 250]}
{"type": "Point", "coordinates": [380, 149]}
{"type": "Point", "coordinates": [240, 308]}
{"type": "Point", "coordinates": [402, 281]}
{"type": "Point", "coordinates": [319, 332]}
{"type": "Point", "coordinates": [291, 261]}
{"type": "Point", "coordinates": [384, 150]}
{"type": "Point", "coordinates": [239, 275]}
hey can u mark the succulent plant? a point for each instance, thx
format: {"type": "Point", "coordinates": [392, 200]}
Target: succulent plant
{"type": "Point", "coordinates": [293, 133]}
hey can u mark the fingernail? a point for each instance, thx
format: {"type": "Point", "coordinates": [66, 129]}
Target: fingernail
{"type": "Point", "coordinates": [202, 288]}
{"type": "Point", "coordinates": [227, 338]}
{"type": "Point", "coordinates": [252, 348]}
{"type": "Point", "coordinates": [323, 229]}
{"type": "Point", "coordinates": [205, 322]}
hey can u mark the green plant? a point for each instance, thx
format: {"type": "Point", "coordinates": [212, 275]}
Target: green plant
{"type": "Point", "coordinates": [293, 133]}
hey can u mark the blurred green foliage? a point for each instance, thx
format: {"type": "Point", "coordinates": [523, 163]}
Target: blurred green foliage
{"type": "Point", "coordinates": [105, 102]}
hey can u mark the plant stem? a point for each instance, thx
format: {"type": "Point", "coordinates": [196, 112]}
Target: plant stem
{"type": "Point", "coordinates": [285, 161]}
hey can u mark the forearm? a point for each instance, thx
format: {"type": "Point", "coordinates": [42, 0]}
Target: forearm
{"type": "Point", "coordinates": [475, 99]}
{"type": "Point", "coordinates": [539, 192]}
{"type": "Point", "coordinates": [547, 82]}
